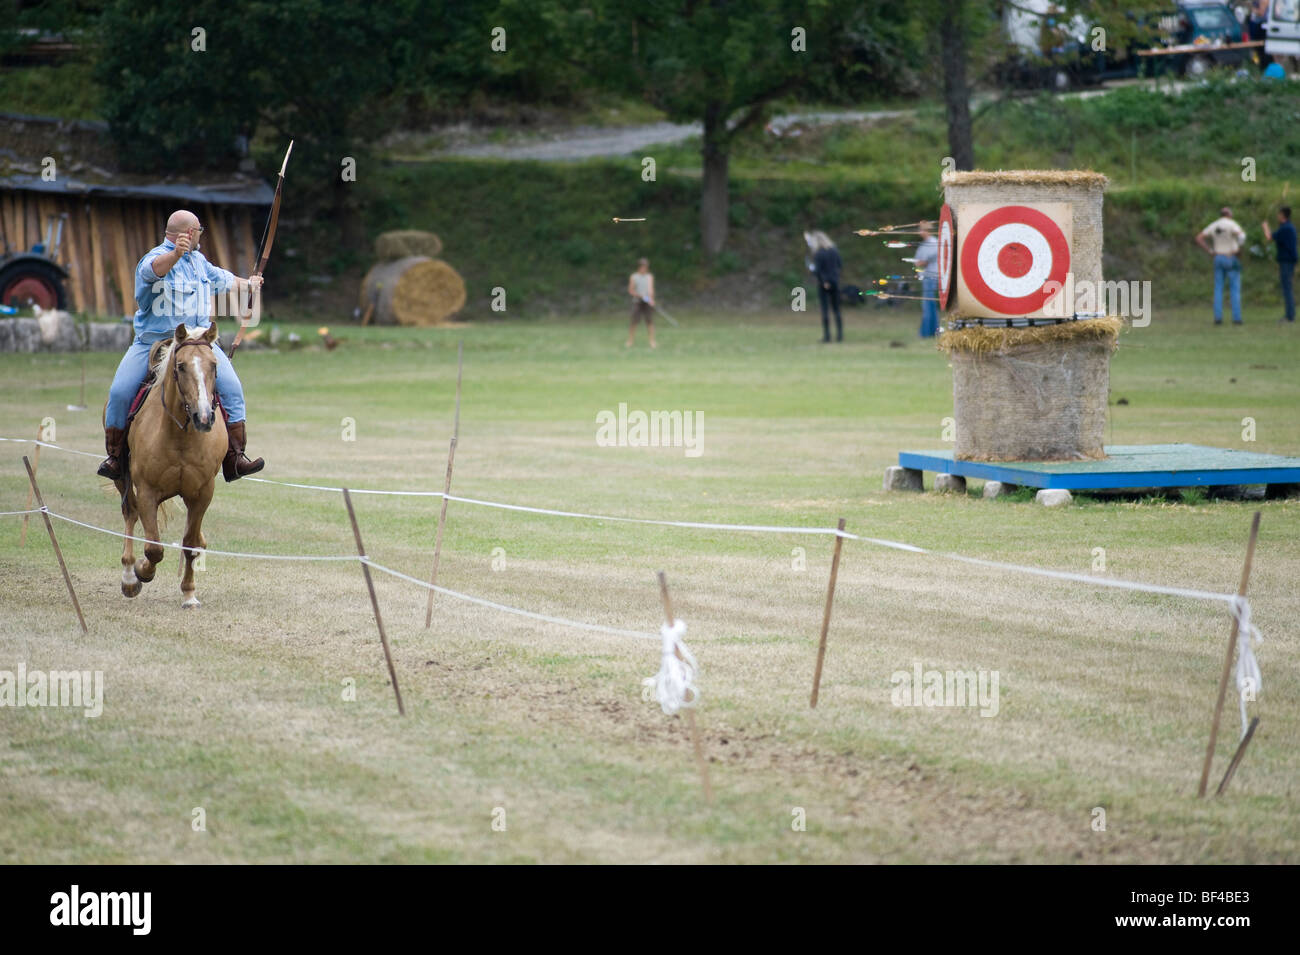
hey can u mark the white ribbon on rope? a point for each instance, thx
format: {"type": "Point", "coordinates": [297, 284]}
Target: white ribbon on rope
{"type": "Point", "coordinates": [674, 684]}
{"type": "Point", "coordinates": [1249, 679]}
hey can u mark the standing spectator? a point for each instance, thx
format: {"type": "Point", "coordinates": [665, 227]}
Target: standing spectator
{"type": "Point", "coordinates": [1255, 20]}
{"type": "Point", "coordinates": [1226, 237]}
{"type": "Point", "coordinates": [927, 260]}
{"type": "Point", "coordinates": [641, 286]}
{"type": "Point", "coordinates": [1286, 259]}
{"type": "Point", "coordinates": [826, 267]}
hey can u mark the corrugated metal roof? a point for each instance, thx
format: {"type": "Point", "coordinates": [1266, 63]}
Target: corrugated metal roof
{"type": "Point", "coordinates": [252, 192]}
{"type": "Point", "coordinates": [87, 166]}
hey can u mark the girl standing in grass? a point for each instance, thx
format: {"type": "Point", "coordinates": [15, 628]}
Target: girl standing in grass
{"type": "Point", "coordinates": [641, 286]}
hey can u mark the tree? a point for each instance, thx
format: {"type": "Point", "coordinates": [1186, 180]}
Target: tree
{"type": "Point", "coordinates": [720, 63]}
{"type": "Point", "coordinates": [956, 87]}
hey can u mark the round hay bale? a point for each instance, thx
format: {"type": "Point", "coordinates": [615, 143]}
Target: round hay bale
{"type": "Point", "coordinates": [404, 243]}
{"type": "Point", "coordinates": [416, 290]}
{"type": "Point", "coordinates": [1031, 394]}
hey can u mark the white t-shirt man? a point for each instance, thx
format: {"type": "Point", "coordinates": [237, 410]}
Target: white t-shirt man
{"type": "Point", "coordinates": [1225, 235]}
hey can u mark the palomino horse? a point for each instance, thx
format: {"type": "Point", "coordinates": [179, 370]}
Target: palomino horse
{"type": "Point", "coordinates": [175, 447]}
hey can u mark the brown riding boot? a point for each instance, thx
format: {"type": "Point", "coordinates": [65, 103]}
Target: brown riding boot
{"type": "Point", "coordinates": [112, 466]}
{"type": "Point", "coordinates": [236, 464]}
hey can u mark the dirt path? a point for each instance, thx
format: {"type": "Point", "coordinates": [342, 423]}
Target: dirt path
{"type": "Point", "coordinates": [588, 142]}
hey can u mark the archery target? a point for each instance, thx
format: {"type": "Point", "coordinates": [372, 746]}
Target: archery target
{"type": "Point", "coordinates": [1010, 254]}
{"type": "Point", "coordinates": [947, 246]}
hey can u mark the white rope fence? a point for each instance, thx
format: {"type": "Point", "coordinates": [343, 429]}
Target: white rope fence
{"type": "Point", "coordinates": [455, 594]}
{"type": "Point", "coordinates": [1239, 607]}
{"type": "Point", "coordinates": [1188, 593]}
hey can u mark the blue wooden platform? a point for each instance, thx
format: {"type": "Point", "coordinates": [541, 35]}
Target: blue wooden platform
{"type": "Point", "coordinates": [1127, 466]}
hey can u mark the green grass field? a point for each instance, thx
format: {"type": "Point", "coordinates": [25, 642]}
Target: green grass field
{"type": "Point", "coordinates": [238, 708]}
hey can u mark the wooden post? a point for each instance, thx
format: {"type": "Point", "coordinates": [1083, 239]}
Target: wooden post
{"type": "Point", "coordinates": [1227, 660]}
{"type": "Point", "coordinates": [700, 761]}
{"type": "Point", "coordinates": [826, 617]}
{"type": "Point", "coordinates": [446, 489]}
{"type": "Point", "coordinates": [22, 538]}
{"type": "Point", "coordinates": [1236, 757]}
{"type": "Point", "coordinates": [374, 602]}
{"type": "Point", "coordinates": [76, 605]}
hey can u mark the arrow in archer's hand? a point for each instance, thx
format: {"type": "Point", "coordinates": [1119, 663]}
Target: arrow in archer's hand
{"type": "Point", "coordinates": [264, 248]}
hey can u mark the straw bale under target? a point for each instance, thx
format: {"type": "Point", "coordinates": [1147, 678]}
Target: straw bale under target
{"type": "Point", "coordinates": [416, 290]}
{"type": "Point", "coordinates": [1038, 393]}
{"type": "Point", "coordinates": [404, 243]}
{"type": "Point", "coordinates": [1031, 394]}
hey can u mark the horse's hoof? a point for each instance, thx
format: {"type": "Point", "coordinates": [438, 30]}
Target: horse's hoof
{"type": "Point", "coordinates": [131, 590]}
{"type": "Point", "coordinates": [190, 603]}
{"type": "Point", "coordinates": [144, 571]}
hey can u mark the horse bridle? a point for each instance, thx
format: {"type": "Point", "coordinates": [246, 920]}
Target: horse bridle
{"type": "Point", "coordinates": [189, 414]}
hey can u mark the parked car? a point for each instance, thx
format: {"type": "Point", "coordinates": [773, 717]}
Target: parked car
{"type": "Point", "coordinates": [1057, 52]}
{"type": "Point", "coordinates": [1207, 26]}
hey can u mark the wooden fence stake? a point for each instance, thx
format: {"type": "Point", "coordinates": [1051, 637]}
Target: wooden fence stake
{"type": "Point", "coordinates": [1236, 757]}
{"type": "Point", "coordinates": [700, 761]}
{"type": "Point", "coordinates": [40, 502]}
{"type": "Point", "coordinates": [374, 602]}
{"type": "Point", "coordinates": [446, 489]}
{"type": "Point", "coordinates": [22, 538]}
{"type": "Point", "coordinates": [1227, 660]}
{"type": "Point", "coordinates": [826, 617]}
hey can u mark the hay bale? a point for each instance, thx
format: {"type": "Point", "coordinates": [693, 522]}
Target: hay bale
{"type": "Point", "coordinates": [413, 291]}
{"type": "Point", "coordinates": [1038, 393]}
{"type": "Point", "coordinates": [1031, 396]}
{"type": "Point", "coordinates": [980, 340]}
{"type": "Point", "coordinates": [404, 243]}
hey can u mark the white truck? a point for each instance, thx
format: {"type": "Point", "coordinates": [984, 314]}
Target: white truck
{"type": "Point", "coordinates": [1282, 29]}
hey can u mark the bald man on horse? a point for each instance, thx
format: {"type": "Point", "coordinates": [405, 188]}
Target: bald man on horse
{"type": "Point", "coordinates": [174, 285]}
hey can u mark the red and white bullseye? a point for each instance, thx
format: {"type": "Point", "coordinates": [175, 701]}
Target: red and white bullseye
{"type": "Point", "coordinates": [947, 237]}
{"type": "Point", "coordinates": [1010, 257]}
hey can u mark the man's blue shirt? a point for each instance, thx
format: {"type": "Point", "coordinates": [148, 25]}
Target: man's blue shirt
{"type": "Point", "coordinates": [182, 295]}
{"type": "Point", "coordinates": [1284, 236]}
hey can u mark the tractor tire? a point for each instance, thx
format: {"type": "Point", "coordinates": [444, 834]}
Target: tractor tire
{"type": "Point", "coordinates": [27, 283]}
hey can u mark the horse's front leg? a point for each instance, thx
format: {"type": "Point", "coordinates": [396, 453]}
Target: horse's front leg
{"type": "Point", "coordinates": [130, 583]}
{"type": "Point", "coordinates": [195, 508]}
{"type": "Point", "coordinates": [147, 505]}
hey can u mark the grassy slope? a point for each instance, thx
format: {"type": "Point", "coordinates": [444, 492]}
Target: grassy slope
{"type": "Point", "coordinates": [236, 708]}
{"type": "Point", "coordinates": [544, 233]}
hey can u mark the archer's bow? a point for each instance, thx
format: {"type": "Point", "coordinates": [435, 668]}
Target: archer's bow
{"type": "Point", "coordinates": [264, 247]}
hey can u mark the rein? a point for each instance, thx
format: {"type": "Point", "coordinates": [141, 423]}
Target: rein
{"type": "Point", "coordinates": [177, 378]}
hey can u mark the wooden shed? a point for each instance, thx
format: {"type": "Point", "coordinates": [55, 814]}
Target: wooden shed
{"type": "Point", "coordinates": [109, 219]}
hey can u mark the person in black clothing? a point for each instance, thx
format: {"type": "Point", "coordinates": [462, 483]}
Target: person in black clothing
{"type": "Point", "coordinates": [826, 266]}
{"type": "Point", "coordinates": [1285, 237]}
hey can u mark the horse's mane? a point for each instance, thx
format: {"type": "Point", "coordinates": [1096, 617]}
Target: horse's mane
{"type": "Point", "coordinates": [162, 351]}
